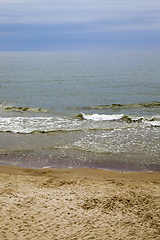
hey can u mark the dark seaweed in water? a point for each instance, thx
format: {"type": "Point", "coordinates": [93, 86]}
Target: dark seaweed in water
{"type": "Point", "coordinates": [22, 109]}
{"type": "Point", "coordinates": [129, 106]}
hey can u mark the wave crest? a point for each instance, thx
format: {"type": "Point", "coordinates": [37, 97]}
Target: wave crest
{"type": "Point", "coordinates": [100, 117]}
{"type": "Point", "coordinates": [115, 106]}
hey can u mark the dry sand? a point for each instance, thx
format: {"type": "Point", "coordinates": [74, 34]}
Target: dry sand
{"type": "Point", "coordinates": [78, 204]}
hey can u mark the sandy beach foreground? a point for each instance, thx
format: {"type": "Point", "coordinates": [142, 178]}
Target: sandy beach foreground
{"type": "Point", "coordinates": [78, 204]}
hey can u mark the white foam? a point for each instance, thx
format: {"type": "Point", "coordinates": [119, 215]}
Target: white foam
{"type": "Point", "coordinates": [28, 125]}
{"type": "Point", "coordinates": [102, 117]}
{"type": "Point", "coordinates": [47, 167]}
{"type": "Point", "coordinates": [155, 123]}
{"type": "Point", "coordinates": [42, 124]}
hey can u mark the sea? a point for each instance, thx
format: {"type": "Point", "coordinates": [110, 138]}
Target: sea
{"type": "Point", "coordinates": [81, 110]}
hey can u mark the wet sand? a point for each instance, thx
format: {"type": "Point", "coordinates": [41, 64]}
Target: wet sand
{"type": "Point", "coordinates": [78, 204]}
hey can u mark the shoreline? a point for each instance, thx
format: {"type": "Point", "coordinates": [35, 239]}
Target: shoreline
{"type": "Point", "coordinates": [40, 161]}
{"type": "Point", "coordinates": [91, 173]}
{"type": "Point", "coordinates": [78, 204]}
{"type": "Point", "coordinates": [55, 150]}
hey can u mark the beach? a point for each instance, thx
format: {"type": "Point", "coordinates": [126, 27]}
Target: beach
{"type": "Point", "coordinates": [80, 145]}
{"type": "Point", "coordinates": [78, 204]}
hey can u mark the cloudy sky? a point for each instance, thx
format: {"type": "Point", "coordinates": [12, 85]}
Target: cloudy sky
{"type": "Point", "coordinates": [79, 24]}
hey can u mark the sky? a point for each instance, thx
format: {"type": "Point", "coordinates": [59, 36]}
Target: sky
{"type": "Point", "coordinates": [62, 25]}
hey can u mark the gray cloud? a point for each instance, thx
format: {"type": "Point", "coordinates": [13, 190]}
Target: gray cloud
{"type": "Point", "coordinates": [75, 24]}
{"type": "Point", "coordinates": [102, 15]}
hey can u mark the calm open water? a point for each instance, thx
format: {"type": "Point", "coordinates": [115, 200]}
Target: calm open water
{"type": "Point", "coordinates": [80, 109]}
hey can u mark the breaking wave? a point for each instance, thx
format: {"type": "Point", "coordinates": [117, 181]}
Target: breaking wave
{"type": "Point", "coordinates": [119, 117]}
{"type": "Point", "coordinates": [81, 122]}
{"type": "Point", "coordinates": [100, 117]}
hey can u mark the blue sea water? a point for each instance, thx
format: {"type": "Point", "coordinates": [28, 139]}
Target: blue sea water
{"type": "Point", "coordinates": [80, 109]}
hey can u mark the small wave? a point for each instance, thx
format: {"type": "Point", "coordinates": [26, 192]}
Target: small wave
{"type": "Point", "coordinates": [63, 124]}
{"type": "Point", "coordinates": [21, 109]}
{"type": "Point", "coordinates": [113, 117]}
{"type": "Point", "coordinates": [115, 106]}
{"type": "Point", "coordinates": [153, 121]}
{"type": "Point", "coordinates": [100, 117]}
